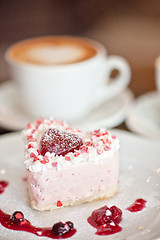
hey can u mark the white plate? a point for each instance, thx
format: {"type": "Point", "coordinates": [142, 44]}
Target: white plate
{"type": "Point", "coordinates": [109, 114]}
{"type": "Point", "coordinates": [139, 178]}
{"type": "Point", "coordinates": [144, 116]}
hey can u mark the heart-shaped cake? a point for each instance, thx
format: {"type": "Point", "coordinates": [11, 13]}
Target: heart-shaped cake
{"type": "Point", "coordinates": [66, 166]}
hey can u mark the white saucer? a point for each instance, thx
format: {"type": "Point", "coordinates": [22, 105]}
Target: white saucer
{"type": "Point", "coordinates": [109, 114]}
{"type": "Point", "coordinates": [144, 116]}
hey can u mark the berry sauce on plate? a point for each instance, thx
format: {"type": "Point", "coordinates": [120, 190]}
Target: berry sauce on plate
{"type": "Point", "coordinates": [3, 185]}
{"type": "Point", "coordinates": [17, 222]}
{"type": "Point", "coordinates": [106, 220]}
{"type": "Point", "coordinates": [137, 206]}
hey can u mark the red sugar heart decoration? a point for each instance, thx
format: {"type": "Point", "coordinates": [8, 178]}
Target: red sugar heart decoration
{"type": "Point", "coordinates": [59, 142]}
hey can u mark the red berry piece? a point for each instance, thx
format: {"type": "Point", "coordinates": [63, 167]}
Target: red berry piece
{"type": "Point", "coordinates": [17, 217]}
{"type": "Point", "coordinates": [3, 185]}
{"type": "Point", "coordinates": [116, 214]}
{"type": "Point", "coordinates": [106, 215]}
{"type": "Point", "coordinates": [137, 206]}
{"type": "Point", "coordinates": [59, 142]}
{"type": "Point", "coordinates": [59, 229]}
{"type": "Point", "coordinates": [106, 220]}
{"type": "Point", "coordinates": [100, 216]}
{"type": "Point", "coordinates": [70, 225]}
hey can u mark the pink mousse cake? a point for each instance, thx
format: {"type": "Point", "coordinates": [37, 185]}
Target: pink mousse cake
{"type": "Point", "coordinates": [66, 166]}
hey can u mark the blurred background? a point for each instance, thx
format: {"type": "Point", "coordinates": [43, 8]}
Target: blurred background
{"type": "Point", "coordinates": [127, 28]}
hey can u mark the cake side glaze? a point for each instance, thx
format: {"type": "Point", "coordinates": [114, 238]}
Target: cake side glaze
{"type": "Point", "coordinates": [97, 145]}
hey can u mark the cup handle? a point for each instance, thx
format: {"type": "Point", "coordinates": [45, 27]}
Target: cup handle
{"type": "Point", "coordinates": [117, 84]}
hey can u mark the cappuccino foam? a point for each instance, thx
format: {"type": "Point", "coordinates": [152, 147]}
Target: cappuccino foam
{"type": "Point", "coordinates": [52, 51]}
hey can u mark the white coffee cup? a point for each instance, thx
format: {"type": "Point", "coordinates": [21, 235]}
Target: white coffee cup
{"type": "Point", "coordinates": [64, 76]}
{"type": "Point", "coordinates": [157, 73]}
